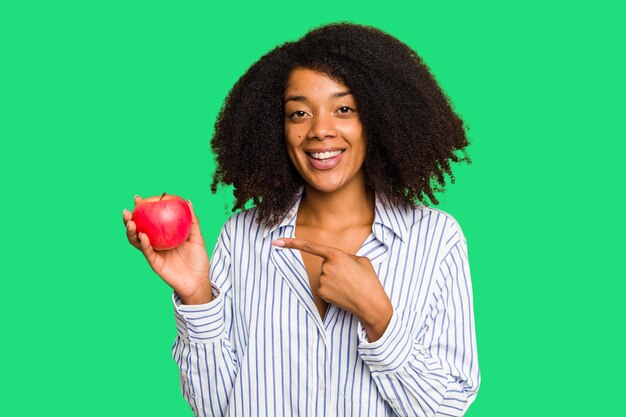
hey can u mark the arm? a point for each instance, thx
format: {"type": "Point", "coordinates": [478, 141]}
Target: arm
{"type": "Point", "coordinates": [431, 370]}
{"type": "Point", "coordinates": [427, 371]}
{"type": "Point", "coordinates": [203, 349]}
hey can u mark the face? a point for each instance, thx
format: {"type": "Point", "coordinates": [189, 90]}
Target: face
{"type": "Point", "coordinates": [323, 131]}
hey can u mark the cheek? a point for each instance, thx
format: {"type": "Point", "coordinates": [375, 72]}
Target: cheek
{"type": "Point", "coordinates": [361, 153]}
{"type": "Point", "coordinates": [358, 142]}
{"type": "Point", "coordinates": [293, 140]}
{"type": "Point", "coordinates": [292, 151]}
{"type": "Point", "coordinates": [290, 136]}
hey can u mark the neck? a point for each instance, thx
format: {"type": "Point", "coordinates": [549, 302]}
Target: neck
{"type": "Point", "coordinates": [350, 206]}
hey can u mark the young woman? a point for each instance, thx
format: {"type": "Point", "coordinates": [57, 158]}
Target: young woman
{"type": "Point", "coordinates": [341, 292]}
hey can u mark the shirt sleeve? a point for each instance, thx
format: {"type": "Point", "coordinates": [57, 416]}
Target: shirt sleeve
{"type": "Point", "coordinates": [204, 350]}
{"type": "Point", "coordinates": [431, 370]}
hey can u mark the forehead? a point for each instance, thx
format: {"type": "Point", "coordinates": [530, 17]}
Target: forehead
{"type": "Point", "coordinates": [305, 81]}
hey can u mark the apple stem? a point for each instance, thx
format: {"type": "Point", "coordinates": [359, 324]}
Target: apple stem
{"type": "Point", "coordinates": [162, 197]}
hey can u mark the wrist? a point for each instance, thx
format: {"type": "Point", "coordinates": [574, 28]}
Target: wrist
{"type": "Point", "coordinates": [201, 295]}
{"type": "Point", "coordinates": [376, 317]}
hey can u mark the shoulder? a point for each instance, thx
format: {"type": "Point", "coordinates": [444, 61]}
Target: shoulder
{"type": "Point", "coordinates": [435, 225]}
{"type": "Point", "coordinates": [243, 223]}
{"type": "Point", "coordinates": [238, 229]}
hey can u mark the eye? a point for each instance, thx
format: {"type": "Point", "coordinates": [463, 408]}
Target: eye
{"type": "Point", "coordinates": [345, 110]}
{"type": "Point", "coordinates": [298, 114]}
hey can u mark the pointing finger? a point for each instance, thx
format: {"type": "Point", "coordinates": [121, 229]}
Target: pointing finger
{"type": "Point", "coordinates": [316, 249]}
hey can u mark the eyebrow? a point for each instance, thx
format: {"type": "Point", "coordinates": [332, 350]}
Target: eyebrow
{"type": "Point", "coordinates": [303, 98]}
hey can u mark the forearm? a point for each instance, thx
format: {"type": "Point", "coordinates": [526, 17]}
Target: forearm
{"type": "Point", "coordinates": [411, 378]}
{"type": "Point", "coordinates": [422, 387]}
{"type": "Point", "coordinates": [375, 316]}
{"type": "Point", "coordinates": [204, 355]}
{"type": "Point", "coordinates": [207, 375]}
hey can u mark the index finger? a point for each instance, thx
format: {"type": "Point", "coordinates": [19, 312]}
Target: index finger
{"type": "Point", "coordinates": [313, 248]}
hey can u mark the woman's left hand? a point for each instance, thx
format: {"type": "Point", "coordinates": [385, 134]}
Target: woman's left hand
{"type": "Point", "coordinates": [349, 282]}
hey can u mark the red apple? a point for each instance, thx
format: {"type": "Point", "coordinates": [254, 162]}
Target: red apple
{"type": "Point", "coordinates": [165, 219]}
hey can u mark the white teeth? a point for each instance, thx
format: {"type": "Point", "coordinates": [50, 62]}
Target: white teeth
{"type": "Point", "coordinates": [324, 155]}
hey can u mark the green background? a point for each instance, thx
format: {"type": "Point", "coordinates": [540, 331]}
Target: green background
{"type": "Point", "coordinates": [104, 100]}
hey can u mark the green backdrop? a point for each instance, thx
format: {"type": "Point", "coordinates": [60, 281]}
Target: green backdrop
{"type": "Point", "coordinates": [105, 99]}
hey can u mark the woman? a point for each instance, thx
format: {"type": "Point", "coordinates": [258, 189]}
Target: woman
{"type": "Point", "coordinates": [337, 294]}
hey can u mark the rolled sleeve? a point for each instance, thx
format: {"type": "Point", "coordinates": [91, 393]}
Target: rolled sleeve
{"type": "Point", "coordinates": [201, 323]}
{"type": "Point", "coordinates": [391, 351]}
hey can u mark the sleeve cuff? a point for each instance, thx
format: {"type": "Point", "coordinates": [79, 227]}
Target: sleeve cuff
{"type": "Point", "coordinates": [391, 351]}
{"type": "Point", "coordinates": [201, 323]}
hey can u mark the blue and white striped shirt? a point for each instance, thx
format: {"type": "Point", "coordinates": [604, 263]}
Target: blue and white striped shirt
{"type": "Point", "coordinates": [260, 348]}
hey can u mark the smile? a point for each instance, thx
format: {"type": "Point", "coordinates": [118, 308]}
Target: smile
{"type": "Point", "coordinates": [321, 156]}
{"type": "Point", "coordinates": [325, 160]}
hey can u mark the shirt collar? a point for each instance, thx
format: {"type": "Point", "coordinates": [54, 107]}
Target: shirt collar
{"type": "Point", "coordinates": [385, 214]}
{"type": "Point", "coordinates": [390, 216]}
{"type": "Point", "coordinates": [289, 220]}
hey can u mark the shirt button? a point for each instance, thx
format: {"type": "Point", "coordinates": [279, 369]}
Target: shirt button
{"type": "Point", "coordinates": [322, 386]}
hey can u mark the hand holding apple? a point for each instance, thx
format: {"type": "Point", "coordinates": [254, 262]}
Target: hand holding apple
{"type": "Point", "coordinates": [185, 267]}
{"type": "Point", "coordinates": [165, 219]}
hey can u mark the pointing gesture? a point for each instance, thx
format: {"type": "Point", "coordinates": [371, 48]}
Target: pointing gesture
{"type": "Point", "coordinates": [349, 282]}
{"type": "Point", "coordinates": [325, 252]}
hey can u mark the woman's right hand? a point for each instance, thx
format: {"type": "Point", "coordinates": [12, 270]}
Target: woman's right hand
{"type": "Point", "coordinates": [185, 268]}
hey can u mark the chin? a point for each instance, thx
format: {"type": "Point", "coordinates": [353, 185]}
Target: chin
{"type": "Point", "coordinates": [324, 189]}
{"type": "Point", "coordinates": [325, 186]}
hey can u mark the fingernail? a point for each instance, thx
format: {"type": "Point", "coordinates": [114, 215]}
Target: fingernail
{"type": "Point", "coordinates": [124, 212]}
{"type": "Point", "coordinates": [189, 201]}
{"type": "Point", "coordinates": [139, 235]}
{"type": "Point", "coordinates": [278, 242]}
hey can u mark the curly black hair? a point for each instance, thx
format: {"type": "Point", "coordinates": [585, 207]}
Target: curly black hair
{"type": "Point", "coordinates": [412, 132]}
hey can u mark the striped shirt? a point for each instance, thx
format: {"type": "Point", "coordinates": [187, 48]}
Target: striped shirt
{"type": "Point", "coordinates": [260, 348]}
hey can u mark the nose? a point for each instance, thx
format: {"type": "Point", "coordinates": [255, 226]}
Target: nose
{"type": "Point", "coordinates": [322, 127]}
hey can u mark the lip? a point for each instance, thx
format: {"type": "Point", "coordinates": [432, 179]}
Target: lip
{"type": "Point", "coordinates": [326, 164]}
{"type": "Point", "coordinates": [320, 150]}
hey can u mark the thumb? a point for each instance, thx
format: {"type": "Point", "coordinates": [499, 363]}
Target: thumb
{"type": "Point", "coordinates": [195, 235]}
{"type": "Point", "coordinates": [148, 251]}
